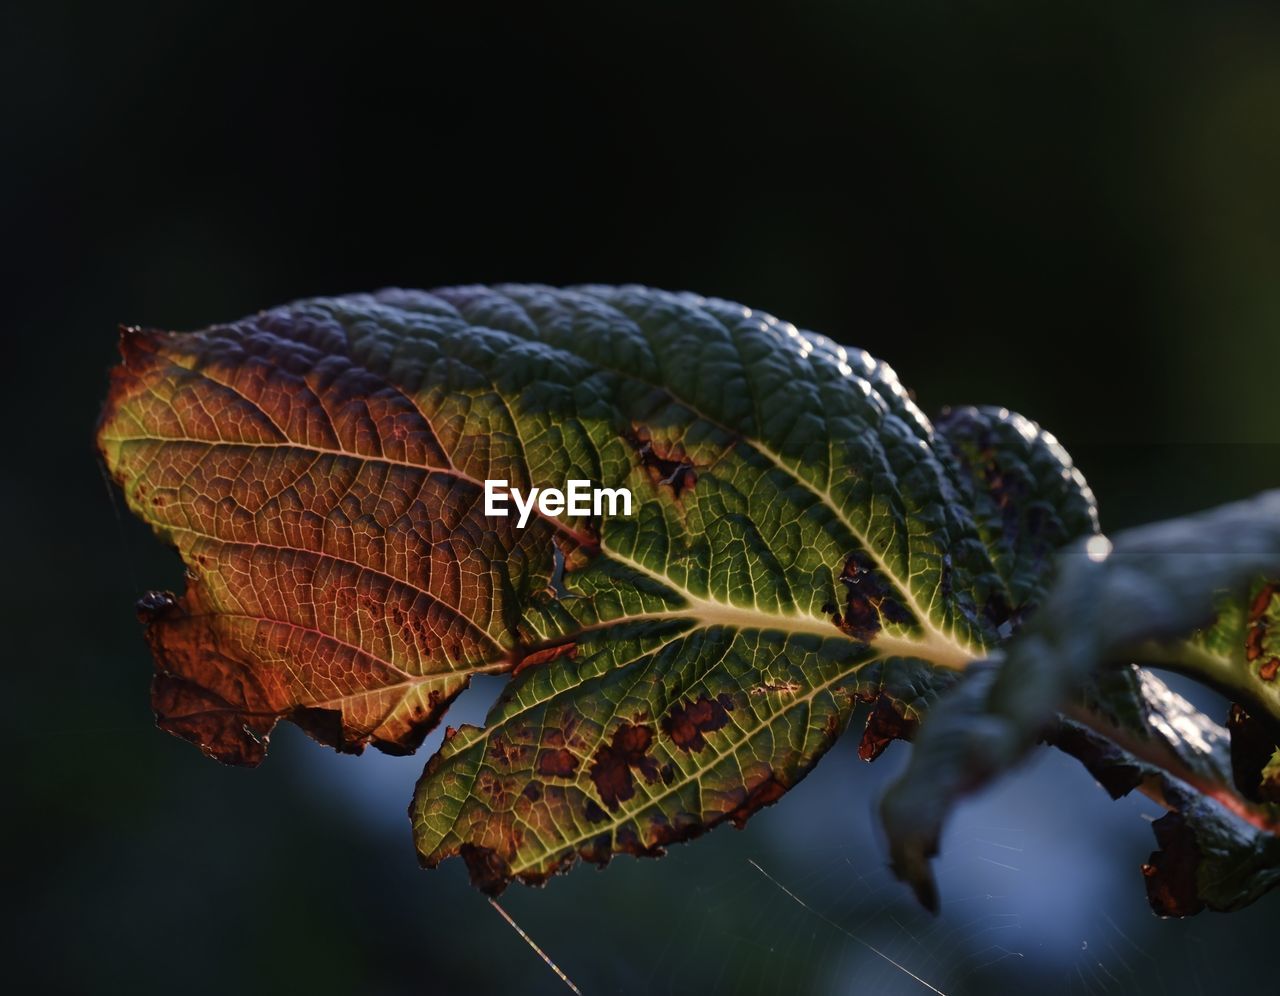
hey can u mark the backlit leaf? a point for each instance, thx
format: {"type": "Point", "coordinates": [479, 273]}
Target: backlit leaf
{"type": "Point", "coordinates": [801, 538]}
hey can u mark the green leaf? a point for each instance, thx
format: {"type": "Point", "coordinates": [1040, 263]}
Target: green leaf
{"type": "Point", "coordinates": [1239, 653]}
{"type": "Point", "coordinates": [801, 538]}
{"type": "Point", "coordinates": [1138, 601]}
{"type": "Point", "coordinates": [1028, 499]}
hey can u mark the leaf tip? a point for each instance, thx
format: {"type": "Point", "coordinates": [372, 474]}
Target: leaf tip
{"type": "Point", "coordinates": [1171, 872]}
{"type": "Point", "coordinates": [490, 872]}
{"type": "Point", "coordinates": [910, 863]}
{"type": "Point", "coordinates": [136, 342]}
{"type": "Point", "coordinates": [913, 834]}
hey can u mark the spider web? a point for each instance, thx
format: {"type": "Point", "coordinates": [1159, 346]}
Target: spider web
{"type": "Point", "coordinates": [1039, 877]}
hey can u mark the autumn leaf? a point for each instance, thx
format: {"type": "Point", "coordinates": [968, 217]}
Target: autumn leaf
{"type": "Point", "coordinates": [802, 538]}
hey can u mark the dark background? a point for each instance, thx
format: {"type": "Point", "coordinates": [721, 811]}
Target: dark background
{"type": "Point", "coordinates": [1072, 209]}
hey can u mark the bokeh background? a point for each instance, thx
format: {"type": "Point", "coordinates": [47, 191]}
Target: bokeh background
{"type": "Point", "coordinates": [1072, 209]}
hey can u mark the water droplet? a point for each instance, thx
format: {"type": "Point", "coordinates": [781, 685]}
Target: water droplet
{"type": "Point", "coordinates": [1097, 548]}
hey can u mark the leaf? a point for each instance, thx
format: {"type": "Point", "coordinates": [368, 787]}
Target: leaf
{"type": "Point", "coordinates": [801, 539]}
{"type": "Point", "coordinates": [1139, 602]}
{"type": "Point", "coordinates": [1239, 654]}
{"type": "Point", "coordinates": [1207, 857]}
{"type": "Point", "coordinates": [1027, 498]}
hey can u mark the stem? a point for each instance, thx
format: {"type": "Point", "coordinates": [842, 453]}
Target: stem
{"type": "Point", "coordinates": [1150, 752]}
{"type": "Point", "coordinates": [1232, 677]}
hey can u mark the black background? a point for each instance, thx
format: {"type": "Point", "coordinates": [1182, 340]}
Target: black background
{"type": "Point", "coordinates": [1071, 209]}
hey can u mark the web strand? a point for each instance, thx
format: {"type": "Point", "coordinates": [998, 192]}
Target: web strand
{"type": "Point", "coordinates": [537, 950]}
{"type": "Point", "coordinates": [822, 916]}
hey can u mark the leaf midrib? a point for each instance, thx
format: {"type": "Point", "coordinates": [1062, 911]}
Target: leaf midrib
{"type": "Point", "coordinates": [938, 637]}
{"type": "Point", "coordinates": [822, 494]}
{"type": "Point", "coordinates": [935, 648]}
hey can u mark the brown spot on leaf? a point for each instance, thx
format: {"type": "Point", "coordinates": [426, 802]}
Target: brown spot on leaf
{"type": "Point", "coordinates": [1253, 640]}
{"type": "Point", "coordinates": [574, 556]}
{"type": "Point", "coordinates": [497, 792]}
{"type": "Point", "coordinates": [594, 813]}
{"type": "Point", "coordinates": [598, 850]}
{"type": "Point", "coordinates": [686, 724]}
{"type": "Point", "coordinates": [667, 465]}
{"type": "Point", "coordinates": [627, 841]}
{"type": "Point", "coordinates": [870, 601]}
{"type": "Point", "coordinates": [662, 832]}
{"type": "Point", "coordinates": [532, 792]}
{"type": "Point", "coordinates": [885, 724]}
{"type": "Point", "coordinates": [545, 656]}
{"type": "Point", "coordinates": [1258, 608]}
{"type": "Point", "coordinates": [558, 763]}
{"type": "Point", "coordinates": [611, 769]}
{"type": "Point", "coordinates": [1256, 636]}
{"type": "Point", "coordinates": [489, 871]}
{"type": "Point", "coordinates": [766, 793]}
{"type": "Point", "coordinates": [498, 746]}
